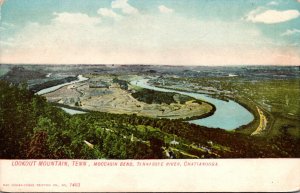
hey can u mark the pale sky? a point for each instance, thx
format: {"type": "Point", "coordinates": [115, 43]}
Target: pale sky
{"type": "Point", "coordinates": [189, 32]}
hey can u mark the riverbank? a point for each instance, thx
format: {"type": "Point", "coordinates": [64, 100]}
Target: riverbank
{"type": "Point", "coordinates": [100, 93]}
{"type": "Point", "coordinates": [229, 115]}
{"type": "Point", "coordinates": [79, 78]}
{"type": "Point", "coordinates": [109, 97]}
{"type": "Point", "coordinates": [61, 136]}
{"type": "Point", "coordinates": [210, 113]}
{"type": "Point", "coordinates": [247, 129]}
{"type": "Point", "coordinates": [70, 107]}
{"type": "Point", "coordinates": [38, 87]}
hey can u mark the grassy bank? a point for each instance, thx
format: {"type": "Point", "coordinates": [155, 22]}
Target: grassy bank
{"type": "Point", "coordinates": [277, 98]}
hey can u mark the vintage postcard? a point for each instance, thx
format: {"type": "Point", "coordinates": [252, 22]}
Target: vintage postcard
{"type": "Point", "coordinates": [159, 95]}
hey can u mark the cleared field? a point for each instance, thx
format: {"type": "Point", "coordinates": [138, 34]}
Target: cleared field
{"type": "Point", "coordinates": [277, 99]}
{"type": "Point", "coordinates": [111, 98]}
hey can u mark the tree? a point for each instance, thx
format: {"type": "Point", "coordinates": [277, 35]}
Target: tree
{"type": "Point", "coordinates": [38, 147]}
{"type": "Point", "coordinates": [156, 147]}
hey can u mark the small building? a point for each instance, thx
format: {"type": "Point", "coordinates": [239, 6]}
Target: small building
{"type": "Point", "coordinates": [174, 142]}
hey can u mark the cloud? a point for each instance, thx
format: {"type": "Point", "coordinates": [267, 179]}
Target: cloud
{"type": "Point", "coordinates": [108, 13]}
{"type": "Point", "coordinates": [164, 9]}
{"type": "Point", "coordinates": [271, 16]}
{"type": "Point", "coordinates": [273, 3]}
{"type": "Point", "coordinates": [6, 26]}
{"type": "Point", "coordinates": [156, 39]}
{"type": "Point", "coordinates": [75, 18]}
{"type": "Point", "coordinates": [124, 6]}
{"type": "Point", "coordinates": [8, 43]}
{"type": "Point", "coordinates": [291, 32]}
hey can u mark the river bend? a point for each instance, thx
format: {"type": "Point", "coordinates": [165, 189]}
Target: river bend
{"type": "Point", "coordinates": [229, 115]}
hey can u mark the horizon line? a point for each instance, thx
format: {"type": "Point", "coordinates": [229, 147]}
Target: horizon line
{"type": "Point", "coordinates": [144, 64]}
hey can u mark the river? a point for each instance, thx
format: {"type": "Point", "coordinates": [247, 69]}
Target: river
{"type": "Point", "coordinates": [72, 111]}
{"type": "Point", "coordinates": [54, 88]}
{"type": "Point", "coordinates": [228, 115]}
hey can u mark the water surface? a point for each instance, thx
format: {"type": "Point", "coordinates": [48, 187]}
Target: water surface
{"type": "Point", "coordinates": [54, 88]}
{"type": "Point", "coordinates": [228, 115]}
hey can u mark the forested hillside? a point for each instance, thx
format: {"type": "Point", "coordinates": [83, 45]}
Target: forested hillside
{"type": "Point", "coordinates": [31, 128]}
{"type": "Point", "coordinates": [152, 96]}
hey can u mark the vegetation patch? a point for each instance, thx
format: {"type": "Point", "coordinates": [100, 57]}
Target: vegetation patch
{"type": "Point", "coordinates": [31, 128]}
{"type": "Point", "coordinates": [157, 97]}
{"type": "Point", "coordinates": [38, 87]}
{"type": "Point", "coordinates": [19, 74]}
